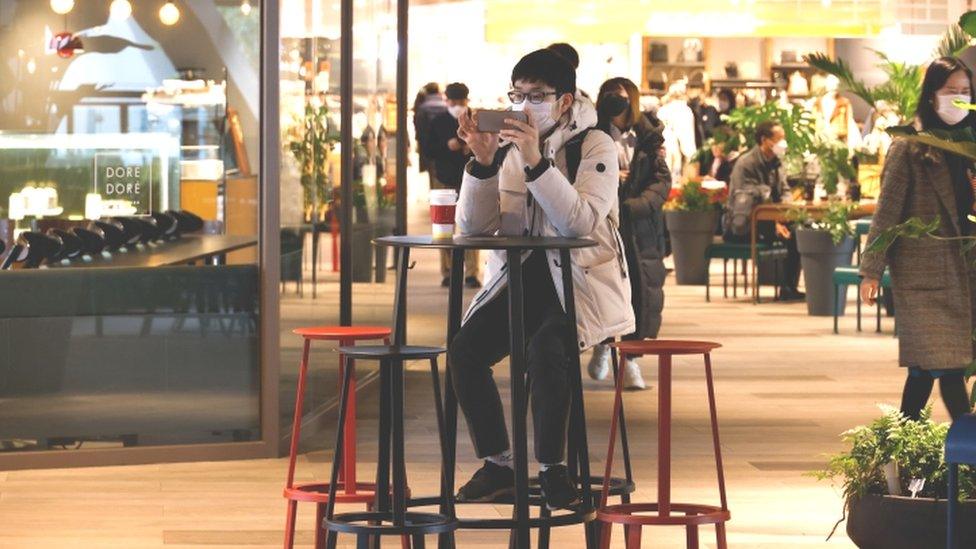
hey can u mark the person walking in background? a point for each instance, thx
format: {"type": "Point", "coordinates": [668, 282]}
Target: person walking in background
{"type": "Point", "coordinates": [449, 153]}
{"type": "Point", "coordinates": [645, 183]}
{"type": "Point", "coordinates": [934, 282]}
{"type": "Point", "coordinates": [429, 103]}
{"type": "Point", "coordinates": [757, 178]}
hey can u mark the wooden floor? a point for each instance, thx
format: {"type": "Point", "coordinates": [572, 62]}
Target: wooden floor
{"type": "Point", "coordinates": [786, 388]}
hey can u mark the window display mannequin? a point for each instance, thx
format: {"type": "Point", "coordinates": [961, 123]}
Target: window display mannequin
{"type": "Point", "coordinates": [836, 113]}
{"type": "Point", "coordinates": [679, 129]}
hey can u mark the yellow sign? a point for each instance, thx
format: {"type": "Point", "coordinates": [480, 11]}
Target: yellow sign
{"type": "Point", "coordinates": [582, 21]}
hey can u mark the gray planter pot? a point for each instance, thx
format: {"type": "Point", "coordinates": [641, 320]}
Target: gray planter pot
{"type": "Point", "coordinates": [362, 251]}
{"type": "Point", "coordinates": [820, 256]}
{"type": "Point", "coordinates": [691, 234]}
{"type": "Point", "coordinates": [895, 522]}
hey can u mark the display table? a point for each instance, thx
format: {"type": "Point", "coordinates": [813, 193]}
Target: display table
{"type": "Point", "coordinates": [187, 249]}
{"type": "Point", "coordinates": [779, 213]}
{"type": "Point", "coordinates": [521, 523]}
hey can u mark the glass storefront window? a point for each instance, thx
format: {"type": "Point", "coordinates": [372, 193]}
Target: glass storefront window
{"type": "Point", "coordinates": [311, 191]}
{"type": "Point", "coordinates": [129, 195]}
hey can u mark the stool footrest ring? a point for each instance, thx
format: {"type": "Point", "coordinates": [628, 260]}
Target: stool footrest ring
{"type": "Point", "coordinates": [682, 514]}
{"type": "Point", "coordinates": [565, 517]}
{"type": "Point", "coordinates": [381, 523]}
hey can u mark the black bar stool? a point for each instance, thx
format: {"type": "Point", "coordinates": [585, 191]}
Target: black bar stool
{"type": "Point", "coordinates": [384, 519]}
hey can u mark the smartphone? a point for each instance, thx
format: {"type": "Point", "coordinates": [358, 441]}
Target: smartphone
{"type": "Point", "coordinates": [494, 121]}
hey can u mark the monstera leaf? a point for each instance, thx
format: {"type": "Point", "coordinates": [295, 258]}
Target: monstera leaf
{"type": "Point", "coordinates": [960, 142]}
{"type": "Point", "coordinates": [968, 22]}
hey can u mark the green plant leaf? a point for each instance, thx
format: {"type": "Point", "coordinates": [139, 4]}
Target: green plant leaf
{"type": "Point", "coordinates": [954, 40]}
{"type": "Point", "coordinates": [843, 71]}
{"type": "Point", "coordinates": [967, 22]}
{"type": "Point", "coordinates": [954, 142]}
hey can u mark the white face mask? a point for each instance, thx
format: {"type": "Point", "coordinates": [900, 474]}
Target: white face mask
{"type": "Point", "coordinates": [541, 114]}
{"type": "Point", "coordinates": [779, 149]}
{"type": "Point", "coordinates": [455, 110]}
{"type": "Point", "coordinates": [949, 113]}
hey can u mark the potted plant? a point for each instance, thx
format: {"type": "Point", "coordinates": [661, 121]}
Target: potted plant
{"type": "Point", "coordinates": [310, 141]}
{"type": "Point", "coordinates": [912, 452]}
{"type": "Point", "coordinates": [691, 214]}
{"type": "Point", "coordinates": [824, 244]}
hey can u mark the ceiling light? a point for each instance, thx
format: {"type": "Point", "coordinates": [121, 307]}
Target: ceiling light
{"type": "Point", "coordinates": [825, 3]}
{"type": "Point", "coordinates": [62, 7]}
{"type": "Point", "coordinates": [169, 14]}
{"type": "Point", "coordinates": [120, 9]}
{"type": "Point", "coordinates": [246, 8]}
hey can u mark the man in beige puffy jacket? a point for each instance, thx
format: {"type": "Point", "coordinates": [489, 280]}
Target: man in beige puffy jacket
{"type": "Point", "coordinates": [524, 187]}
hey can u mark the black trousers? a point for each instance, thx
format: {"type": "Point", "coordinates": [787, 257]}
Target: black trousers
{"type": "Point", "coordinates": [483, 341]}
{"type": "Point", "coordinates": [918, 389]}
{"type": "Point", "coordinates": [767, 234]}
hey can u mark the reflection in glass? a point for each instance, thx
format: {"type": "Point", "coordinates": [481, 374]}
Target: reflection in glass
{"type": "Point", "coordinates": [129, 212]}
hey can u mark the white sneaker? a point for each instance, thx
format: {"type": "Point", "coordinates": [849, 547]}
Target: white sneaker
{"type": "Point", "coordinates": [633, 380]}
{"type": "Point", "coordinates": [599, 365]}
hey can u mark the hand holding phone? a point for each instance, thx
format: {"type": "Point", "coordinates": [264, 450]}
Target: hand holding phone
{"type": "Point", "coordinates": [482, 144]}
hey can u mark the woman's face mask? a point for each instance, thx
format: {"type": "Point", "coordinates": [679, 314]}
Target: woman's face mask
{"type": "Point", "coordinates": [612, 105]}
{"type": "Point", "coordinates": [947, 110]}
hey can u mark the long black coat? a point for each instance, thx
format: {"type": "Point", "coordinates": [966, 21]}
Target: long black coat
{"type": "Point", "coordinates": [642, 197]}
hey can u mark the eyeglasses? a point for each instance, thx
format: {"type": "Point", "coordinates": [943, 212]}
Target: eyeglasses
{"type": "Point", "coordinates": [534, 97]}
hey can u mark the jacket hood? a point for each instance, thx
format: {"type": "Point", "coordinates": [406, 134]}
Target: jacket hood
{"type": "Point", "coordinates": [582, 116]}
{"type": "Point", "coordinates": [650, 131]}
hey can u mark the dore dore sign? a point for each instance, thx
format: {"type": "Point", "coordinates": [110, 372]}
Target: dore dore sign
{"type": "Point", "coordinates": [125, 176]}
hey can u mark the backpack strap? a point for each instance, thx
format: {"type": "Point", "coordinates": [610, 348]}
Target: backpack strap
{"type": "Point", "coordinates": [574, 152]}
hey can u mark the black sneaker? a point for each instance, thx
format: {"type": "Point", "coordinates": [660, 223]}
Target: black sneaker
{"type": "Point", "coordinates": [557, 490]}
{"type": "Point", "coordinates": [489, 484]}
{"type": "Point", "coordinates": [446, 283]}
{"type": "Point", "coordinates": [472, 282]}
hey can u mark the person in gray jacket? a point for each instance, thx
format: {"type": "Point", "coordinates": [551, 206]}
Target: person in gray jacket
{"type": "Point", "coordinates": [524, 187]}
{"type": "Point", "coordinates": [758, 178]}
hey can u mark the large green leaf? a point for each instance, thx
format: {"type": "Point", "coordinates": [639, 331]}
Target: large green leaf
{"type": "Point", "coordinates": [961, 142]}
{"type": "Point", "coordinates": [968, 22]}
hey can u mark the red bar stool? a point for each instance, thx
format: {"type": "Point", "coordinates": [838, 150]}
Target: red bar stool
{"type": "Point", "coordinates": [664, 512]}
{"type": "Point", "coordinates": [318, 493]}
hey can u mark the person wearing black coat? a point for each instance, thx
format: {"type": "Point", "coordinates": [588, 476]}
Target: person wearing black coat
{"type": "Point", "coordinates": [645, 185]}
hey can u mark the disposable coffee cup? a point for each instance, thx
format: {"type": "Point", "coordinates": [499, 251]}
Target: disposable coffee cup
{"type": "Point", "coordinates": [443, 204]}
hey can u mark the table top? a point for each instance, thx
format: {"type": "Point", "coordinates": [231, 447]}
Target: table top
{"type": "Point", "coordinates": [486, 242]}
{"type": "Point", "coordinates": [777, 212]}
{"type": "Point", "coordinates": [178, 252]}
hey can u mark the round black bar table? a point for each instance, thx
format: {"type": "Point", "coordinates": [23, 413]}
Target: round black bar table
{"type": "Point", "coordinates": [514, 246]}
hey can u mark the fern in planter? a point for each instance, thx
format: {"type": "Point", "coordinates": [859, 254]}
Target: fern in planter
{"type": "Point", "coordinates": [836, 220]}
{"type": "Point", "coordinates": [915, 446]}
